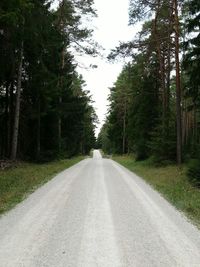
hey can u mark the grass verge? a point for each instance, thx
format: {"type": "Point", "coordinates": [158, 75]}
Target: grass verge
{"type": "Point", "coordinates": [16, 183]}
{"type": "Point", "coordinates": [171, 182]}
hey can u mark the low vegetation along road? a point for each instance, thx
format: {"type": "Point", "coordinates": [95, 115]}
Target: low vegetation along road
{"type": "Point", "coordinates": [97, 213]}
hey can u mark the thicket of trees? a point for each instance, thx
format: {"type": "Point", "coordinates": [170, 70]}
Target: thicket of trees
{"type": "Point", "coordinates": [44, 111]}
{"type": "Point", "coordinates": [155, 102]}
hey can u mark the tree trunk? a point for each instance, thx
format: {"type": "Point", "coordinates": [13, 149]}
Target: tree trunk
{"type": "Point", "coordinates": [59, 125]}
{"type": "Point", "coordinates": [7, 144]}
{"type": "Point", "coordinates": [124, 130]}
{"type": "Point", "coordinates": [11, 117]}
{"type": "Point", "coordinates": [178, 85]}
{"type": "Point", "coordinates": [17, 106]}
{"type": "Point", "coordinates": [38, 129]}
{"type": "Point", "coordinates": [60, 82]}
{"type": "Point", "coordinates": [168, 68]}
{"type": "Point", "coordinates": [161, 64]}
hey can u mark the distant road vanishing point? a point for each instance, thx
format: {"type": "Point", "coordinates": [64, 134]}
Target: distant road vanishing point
{"type": "Point", "coordinates": [97, 213]}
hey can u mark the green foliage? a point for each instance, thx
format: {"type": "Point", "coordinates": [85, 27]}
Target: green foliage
{"type": "Point", "coordinates": [192, 55]}
{"type": "Point", "coordinates": [56, 114]}
{"type": "Point", "coordinates": [139, 10]}
{"type": "Point", "coordinates": [191, 66]}
{"type": "Point", "coordinates": [103, 141]}
{"type": "Point", "coordinates": [134, 108]}
{"type": "Point", "coordinates": [143, 111]}
{"type": "Point", "coordinates": [193, 172]}
{"type": "Point", "coordinates": [118, 118]}
{"type": "Point", "coordinates": [155, 105]}
{"type": "Point", "coordinates": [163, 142]}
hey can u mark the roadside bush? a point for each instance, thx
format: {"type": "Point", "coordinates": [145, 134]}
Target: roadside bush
{"type": "Point", "coordinates": [158, 162]}
{"type": "Point", "coordinates": [193, 172]}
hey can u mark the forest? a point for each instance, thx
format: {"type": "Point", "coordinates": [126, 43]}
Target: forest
{"type": "Point", "coordinates": [155, 101]}
{"type": "Point", "coordinates": [45, 112]}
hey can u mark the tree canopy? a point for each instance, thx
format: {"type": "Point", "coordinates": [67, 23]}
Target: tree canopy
{"type": "Point", "coordinates": [154, 104]}
{"type": "Point", "coordinates": [45, 112]}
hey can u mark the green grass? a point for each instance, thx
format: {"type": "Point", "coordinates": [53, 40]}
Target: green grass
{"type": "Point", "coordinates": [16, 183]}
{"type": "Point", "coordinates": [171, 182]}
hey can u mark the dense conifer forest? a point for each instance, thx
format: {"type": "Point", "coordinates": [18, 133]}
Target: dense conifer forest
{"type": "Point", "coordinates": [45, 113]}
{"type": "Point", "coordinates": [155, 102]}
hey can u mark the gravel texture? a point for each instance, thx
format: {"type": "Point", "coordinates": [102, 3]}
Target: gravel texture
{"type": "Point", "coordinates": [97, 213]}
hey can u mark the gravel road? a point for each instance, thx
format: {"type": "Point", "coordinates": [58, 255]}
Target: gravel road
{"type": "Point", "coordinates": [97, 213]}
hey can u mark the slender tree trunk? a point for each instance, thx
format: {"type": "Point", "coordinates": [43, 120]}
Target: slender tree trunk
{"type": "Point", "coordinates": [38, 128]}
{"type": "Point", "coordinates": [169, 53]}
{"type": "Point", "coordinates": [11, 118]}
{"type": "Point", "coordinates": [62, 65]}
{"type": "Point", "coordinates": [17, 106]}
{"type": "Point", "coordinates": [60, 99]}
{"type": "Point", "coordinates": [178, 86]}
{"type": "Point", "coordinates": [7, 134]}
{"type": "Point", "coordinates": [195, 125]}
{"type": "Point", "coordinates": [124, 130]}
{"type": "Point", "coordinates": [59, 125]}
{"type": "Point", "coordinates": [184, 122]}
{"type": "Point", "coordinates": [161, 63]}
{"type": "Point", "coordinates": [167, 121]}
{"type": "Point", "coordinates": [164, 86]}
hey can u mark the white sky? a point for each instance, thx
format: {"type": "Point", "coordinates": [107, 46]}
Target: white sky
{"type": "Point", "coordinates": [111, 26]}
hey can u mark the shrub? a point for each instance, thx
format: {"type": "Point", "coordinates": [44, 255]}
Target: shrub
{"type": "Point", "coordinates": [193, 172]}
